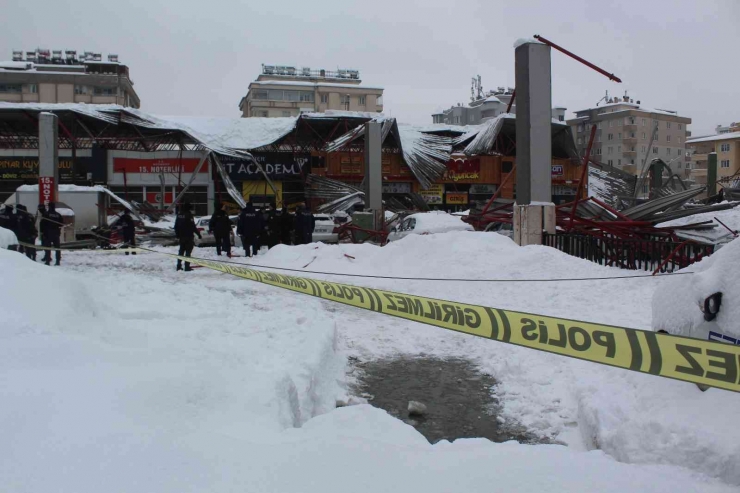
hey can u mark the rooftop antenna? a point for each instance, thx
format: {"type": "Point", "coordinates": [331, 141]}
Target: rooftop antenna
{"type": "Point", "coordinates": [605, 98]}
{"type": "Point", "coordinates": [472, 89]}
{"type": "Point", "coordinates": [480, 88]}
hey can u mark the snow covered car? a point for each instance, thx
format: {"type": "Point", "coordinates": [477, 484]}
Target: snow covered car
{"type": "Point", "coordinates": [505, 229]}
{"type": "Point", "coordinates": [428, 223]}
{"type": "Point", "coordinates": [323, 231]}
{"type": "Point", "coordinates": [207, 238]}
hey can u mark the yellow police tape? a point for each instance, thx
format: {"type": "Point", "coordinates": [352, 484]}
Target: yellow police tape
{"type": "Point", "coordinates": [714, 364]}
{"type": "Point", "coordinates": [710, 363]}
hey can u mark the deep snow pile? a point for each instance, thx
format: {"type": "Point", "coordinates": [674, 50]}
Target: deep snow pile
{"type": "Point", "coordinates": [7, 238]}
{"type": "Point", "coordinates": [438, 222]}
{"type": "Point", "coordinates": [136, 376]}
{"type": "Point", "coordinates": [678, 305]}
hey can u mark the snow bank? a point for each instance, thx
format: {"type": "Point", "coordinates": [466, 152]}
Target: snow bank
{"type": "Point", "coordinates": [633, 417]}
{"type": "Point", "coordinates": [438, 222]}
{"type": "Point", "coordinates": [7, 238]}
{"type": "Point", "coordinates": [678, 305]}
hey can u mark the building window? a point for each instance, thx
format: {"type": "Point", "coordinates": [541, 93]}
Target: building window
{"type": "Point", "coordinates": [306, 97]}
{"type": "Point", "coordinates": [610, 137]}
{"type": "Point", "coordinates": [679, 140]}
{"type": "Point", "coordinates": [362, 101]}
{"type": "Point", "coordinates": [580, 127]}
{"type": "Point", "coordinates": [598, 151]}
{"type": "Point", "coordinates": [680, 126]}
{"type": "Point", "coordinates": [611, 123]}
{"type": "Point", "coordinates": [457, 119]}
{"type": "Point", "coordinates": [325, 98]}
{"type": "Point", "coordinates": [261, 94]}
{"type": "Point", "coordinates": [286, 113]}
{"type": "Point", "coordinates": [33, 88]}
{"type": "Point", "coordinates": [579, 141]}
{"type": "Point", "coordinates": [619, 162]}
{"type": "Point", "coordinates": [275, 95]}
{"type": "Point", "coordinates": [610, 162]}
{"type": "Point", "coordinates": [667, 124]}
{"type": "Point", "coordinates": [619, 122]}
{"type": "Point", "coordinates": [632, 120]}
{"type": "Point", "coordinates": [105, 91]}
{"type": "Point", "coordinates": [668, 150]}
{"type": "Point", "coordinates": [644, 122]}
{"type": "Point", "coordinates": [619, 149]}
{"type": "Point", "coordinates": [668, 137]}
{"type": "Point", "coordinates": [81, 90]}
{"type": "Point", "coordinates": [11, 87]}
{"type": "Point", "coordinates": [619, 136]}
{"type": "Point", "coordinates": [598, 125]}
{"type": "Point", "coordinates": [724, 148]}
{"type": "Point", "coordinates": [345, 100]}
{"type": "Point", "coordinates": [609, 149]}
{"type": "Point", "coordinates": [643, 135]}
{"type": "Point", "coordinates": [725, 163]}
{"type": "Point", "coordinates": [655, 150]}
{"type": "Point", "coordinates": [260, 113]}
{"type": "Point", "coordinates": [645, 189]}
{"type": "Point", "coordinates": [644, 149]}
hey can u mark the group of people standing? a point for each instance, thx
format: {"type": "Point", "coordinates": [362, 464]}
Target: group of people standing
{"type": "Point", "coordinates": [257, 228]}
{"type": "Point", "coordinates": [47, 222]}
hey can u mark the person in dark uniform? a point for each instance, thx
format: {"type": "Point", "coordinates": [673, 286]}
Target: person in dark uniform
{"type": "Point", "coordinates": [220, 226]}
{"type": "Point", "coordinates": [286, 227]}
{"type": "Point", "coordinates": [184, 230]}
{"type": "Point", "coordinates": [273, 228]}
{"type": "Point", "coordinates": [51, 232]}
{"type": "Point", "coordinates": [251, 225]}
{"type": "Point", "coordinates": [128, 229]}
{"type": "Point", "coordinates": [304, 225]}
{"type": "Point", "coordinates": [26, 231]}
{"type": "Point", "coordinates": [8, 220]}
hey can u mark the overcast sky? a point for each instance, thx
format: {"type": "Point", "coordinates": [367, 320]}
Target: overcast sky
{"type": "Point", "coordinates": [197, 57]}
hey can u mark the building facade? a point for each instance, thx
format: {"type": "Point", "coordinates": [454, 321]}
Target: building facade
{"type": "Point", "coordinates": [727, 147]}
{"type": "Point", "coordinates": [44, 76]}
{"type": "Point", "coordinates": [485, 107]}
{"type": "Point", "coordinates": [628, 134]}
{"type": "Point", "coordinates": [281, 91]}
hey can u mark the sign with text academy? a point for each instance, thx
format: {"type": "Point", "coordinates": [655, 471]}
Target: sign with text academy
{"type": "Point", "coordinates": [277, 165]}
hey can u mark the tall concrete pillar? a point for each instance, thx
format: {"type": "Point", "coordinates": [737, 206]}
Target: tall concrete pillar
{"type": "Point", "coordinates": [48, 158]}
{"type": "Point", "coordinates": [373, 172]}
{"type": "Point", "coordinates": [534, 211]}
{"type": "Point", "coordinates": [712, 174]}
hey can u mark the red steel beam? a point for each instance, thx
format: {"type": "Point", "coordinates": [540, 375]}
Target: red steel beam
{"type": "Point", "coordinates": [579, 190]}
{"type": "Point", "coordinates": [576, 57]}
{"type": "Point", "coordinates": [511, 101]}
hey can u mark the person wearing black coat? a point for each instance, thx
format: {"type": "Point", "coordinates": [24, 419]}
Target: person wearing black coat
{"type": "Point", "coordinates": [304, 226]}
{"type": "Point", "coordinates": [220, 226]}
{"type": "Point", "coordinates": [286, 227]}
{"type": "Point", "coordinates": [128, 229]}
{"type": "Point", "coordinates": [51, 232]}
{"type": "Point", "coordinates": [26, 231]}
{"type": "Point", "coordinates": [273, 228]}
{"type": "Point", "coordinates": [251, 225]}
{"type": "Point", "coordinates": [8, 220]}
{"type": "Point", "coordinates": [185, 229]}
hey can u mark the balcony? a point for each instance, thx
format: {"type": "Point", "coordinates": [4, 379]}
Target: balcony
{"type": "Point", "coordinates": [630, 153]}
{"type": "Point", "coordinates": [630, 141]}
{"type": "Point", "coordinates": [699, 157]}
{"type": "Point", "coordinates": [630, 128]}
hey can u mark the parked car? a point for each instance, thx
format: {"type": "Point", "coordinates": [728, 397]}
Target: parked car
{"type": "Point", "coordinates": [324, 229]}
{"type": "Point", "coordinates": [427, 223]}
{"type": "Point", "coordinates": [207, 239]}
{"type": "Point", "coordinates": [505, 229]}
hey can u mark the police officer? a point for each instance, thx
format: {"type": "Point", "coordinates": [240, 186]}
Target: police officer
{"type": "Point", "coordinates": [304, 225]}
{"type": "Point", "coordinates": [286, 227]}
{"type": "Point", "coordinates": [51, 232]}
{"type": "Point", "coordinates": [185, 229]}
{"type": "Point", "coordinates": [8, 219]}
{"type": "Point", "coordinates": [220, 226]}
{"type": "Point", "coordinates": [273, 228]}
{"type": "Point", "coordinates": [128, 229]}
{"type": "Point", "coordinates": [251, 225]}
{"type": "Point", "coordinates": [26, 231]}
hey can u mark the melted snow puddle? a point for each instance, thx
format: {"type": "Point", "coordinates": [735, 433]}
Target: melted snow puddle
{"type": "Point", "coordinates": [460, 400]}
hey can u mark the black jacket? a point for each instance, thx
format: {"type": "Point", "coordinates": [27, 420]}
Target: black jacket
{"type": "Point", "coordinates": [8, 220]}
{"type": "Point", "coordinates": [220, 224]}
{"type": "Point", "coordinates": [185, 226]}
{"type": "Point", "coordinates": [26, 227]}
{"type": "Point", "coordinates": [304, 221]}
{"type": "Point", "coordinates": [51, 224]}
{"type": "Point", "coordinates": [251, 223]}
{"type": "Point", "coordinates": [127, 226]}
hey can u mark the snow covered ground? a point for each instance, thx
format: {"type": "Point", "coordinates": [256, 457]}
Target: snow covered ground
{"type": "Point", "coordinates": [7, 238]}
{"type": "Point", "coordinates": [135, 377]}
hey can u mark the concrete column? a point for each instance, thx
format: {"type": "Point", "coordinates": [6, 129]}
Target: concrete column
{"type": "Point", "coordinates": [48, 158]}
{"type": "Point", "coordinates": [534, 211]}
{"type": "Point", "coordinates": [712, 174]}
{"type": "Point", "coordinates": [373, 169]}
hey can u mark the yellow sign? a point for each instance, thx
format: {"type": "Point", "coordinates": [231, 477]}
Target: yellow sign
{"type": "Point", "coordinates": [250, 188]}
{"type": "Point", "coordinates": [433, 194]}
{"type": "Point", "coordinates": [692, 360]}
{"type": "Point", "coordinates": [457, 198]}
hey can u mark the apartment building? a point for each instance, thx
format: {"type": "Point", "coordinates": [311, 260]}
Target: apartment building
{"type": "Point", "coordinates": [483, 107]}
{"type": "Point", "coordinates": [56, 76]}
{"type": "Point", "coordinates": [283, 91]}
{"type": "Point", "coordinates": [628, 134]}
{"type": "Point", "coordinates": [727, 147]}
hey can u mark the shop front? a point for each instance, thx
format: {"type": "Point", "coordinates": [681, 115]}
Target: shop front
{"type": "Point", "coordinates": [468, 181]}
{"type": "Point", "coordinates": [284, 169]}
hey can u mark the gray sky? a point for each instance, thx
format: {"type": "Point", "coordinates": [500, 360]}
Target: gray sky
{"type": "Point", "coordinates": [197, 58]}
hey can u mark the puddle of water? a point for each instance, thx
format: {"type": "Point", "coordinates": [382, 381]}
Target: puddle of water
{"type": "Point", "coordinates": [459, 398]}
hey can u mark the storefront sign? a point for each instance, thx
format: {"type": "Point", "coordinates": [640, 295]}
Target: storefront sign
{"type": "Point", "coordinates": [46, 190]}
{"type": "Point", "coordinates": [165, 165]}
{"type": "Point", "coordinates": [457, 198]}
{"type": "Point", "coordinates": [27, 168]}
{"type": "Point", "coordinates": [260, 193]}
{"type": "Point", "coordinates": [277, 166]}
{"type": "Point", "coordinates": [350, 165]}
{"type": "Point", "coordinates": [557, 170]}
{"type": "Point", "coordinates": [396, 187]}
{"type": "Point", "coordinates": [433, 195]}
{"type": "Point", "coordinates": [477, 189]}
{"type": "Point", "coordinates": [462, 169]}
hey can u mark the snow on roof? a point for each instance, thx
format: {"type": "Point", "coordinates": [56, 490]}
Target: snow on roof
{"type": "Point", "coordinates": [522, 41]}
{"type": "Point", "coordinates": [713, 138]}
{"type": "Point", "coordinates": [492, 99]}
{"type": "Point", "coordinates": [438, 222]}
{"type": "Point", "coordinates": [16, 65]}
{"type": "Point", "coordinates": [310, 84]}
{"type": "Point", "coordinates": [236, 133]}
{"type": "Point", "coordinates": [63, 188]}
{"type": "Point", "coordinates": [632, 106]}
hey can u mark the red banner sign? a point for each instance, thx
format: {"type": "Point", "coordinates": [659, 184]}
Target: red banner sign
{"type": "Point", "coordinates": [46, 190]}
{"type": "Point", "coordinates": [166, 165]}
{"type": "Point", "coordinates": [463, 165]}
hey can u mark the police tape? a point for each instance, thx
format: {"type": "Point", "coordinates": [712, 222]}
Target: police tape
{"type": "Point", "coordinates": [709, 363]}
{"type": "Point", "coordinates": [82, 249]}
